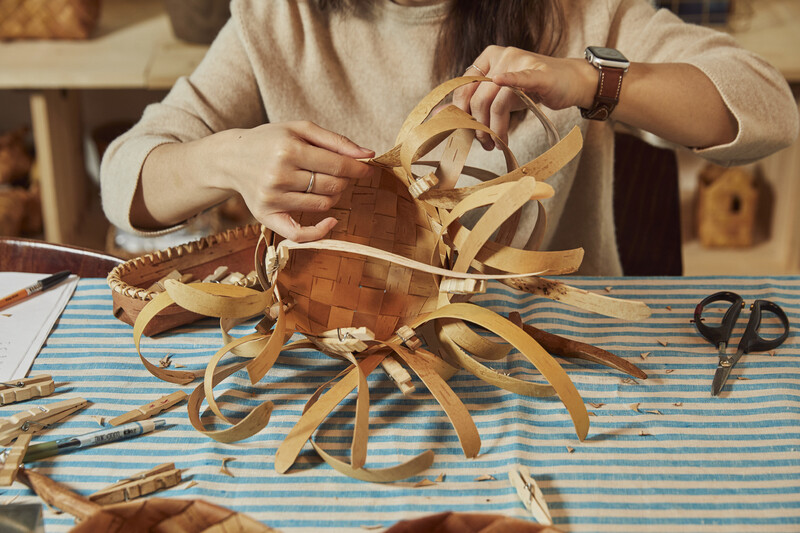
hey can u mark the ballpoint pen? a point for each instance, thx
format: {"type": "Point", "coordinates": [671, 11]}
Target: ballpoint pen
{"type": "Point", "coordinates": [102, 436]}
{"type": "Point", "coordinates": [39, 286]}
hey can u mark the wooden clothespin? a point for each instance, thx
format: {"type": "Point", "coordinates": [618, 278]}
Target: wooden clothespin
{"type": "Point", "coordinates": [12, 459]}
{"type": "Point", "coordinates": [344, 340]}
{"type": "Point", "coordinates": [158, 286]}
{"type": "Point", "coordinates": [530, 494]}
{"type": "Point", "coordinates": [423, 185]}
{"type": "Point", "coordinates": [150, 410]}
{"type": "Point", "coordinates": [37, 418]}
{"type": "Point", "coordinates": [26, 389]}
{"type": "Point", "coordinates": [462, 286]}
{"type": "Point", "coordinates": [219, 273]}
{"type": "Point", "coordinates": [161, 477]}
{"type": "Point", "coordinates": [398, 374]}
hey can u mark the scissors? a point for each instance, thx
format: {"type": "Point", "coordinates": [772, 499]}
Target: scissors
{"type": "Point", "coordinates": [750, 341]}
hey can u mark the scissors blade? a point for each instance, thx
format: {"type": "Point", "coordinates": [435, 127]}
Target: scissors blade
{"type": "Point", "coordinates": [720, 377]}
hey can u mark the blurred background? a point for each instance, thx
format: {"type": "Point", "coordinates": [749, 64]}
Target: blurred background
{"type": "Point", "coordinates": [74, 74]}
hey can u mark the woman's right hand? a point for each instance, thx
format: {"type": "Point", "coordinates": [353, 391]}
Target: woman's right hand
{"type": "Point", "coordinates": [271, 167]}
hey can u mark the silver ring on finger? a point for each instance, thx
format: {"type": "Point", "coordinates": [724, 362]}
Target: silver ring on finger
{"type": "Point", "coordinates": [476, 67]}
{"type": "Point", "coordinates": [311, 182]}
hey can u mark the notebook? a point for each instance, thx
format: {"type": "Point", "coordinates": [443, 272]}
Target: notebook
{"type": "Point", "coordinates": [25, 325]}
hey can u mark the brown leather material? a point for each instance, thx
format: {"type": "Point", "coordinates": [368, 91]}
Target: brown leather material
{"type": "Point", "coordinates": [27, 255]}
{"type": "Point", "coordinates": [609, 86]}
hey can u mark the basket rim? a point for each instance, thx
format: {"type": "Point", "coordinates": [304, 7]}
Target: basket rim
{"type": "Point", "coordinates": [118, 286]}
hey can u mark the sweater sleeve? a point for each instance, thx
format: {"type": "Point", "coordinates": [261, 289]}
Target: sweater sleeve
{"type": "Point", "coordinates": [757, 94]}
{"type": "Point", "coordinates": [220, 94]}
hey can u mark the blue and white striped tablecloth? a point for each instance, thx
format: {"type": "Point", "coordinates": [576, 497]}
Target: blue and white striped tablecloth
{"type": "Point", "coordinates": [662, 454]}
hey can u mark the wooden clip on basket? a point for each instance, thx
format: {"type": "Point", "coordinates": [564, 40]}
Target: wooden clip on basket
{"type": "Point", "coordinates": [399, 264]}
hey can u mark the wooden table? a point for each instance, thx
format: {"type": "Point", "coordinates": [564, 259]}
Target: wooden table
{"type": "Point", "coordinates": [132, 48]}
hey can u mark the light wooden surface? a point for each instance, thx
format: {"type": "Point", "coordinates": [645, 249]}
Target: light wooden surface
{"type": "Point", "coordinates": [132, 47]}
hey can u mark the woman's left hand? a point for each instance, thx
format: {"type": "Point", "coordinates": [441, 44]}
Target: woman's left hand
{"type": "Point", "coordinates": [554, 82]}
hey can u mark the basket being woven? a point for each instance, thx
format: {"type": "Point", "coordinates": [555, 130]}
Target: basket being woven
{"type": "Point", "coordinates": [397, 269]}
{"type": "Point", "coordinates": [48, 19]}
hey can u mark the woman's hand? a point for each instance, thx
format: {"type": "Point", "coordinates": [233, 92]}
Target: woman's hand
{"type": "Point", "coordinates": [270, 166]}
{"type": "Point", "coordinates": [554, 82]}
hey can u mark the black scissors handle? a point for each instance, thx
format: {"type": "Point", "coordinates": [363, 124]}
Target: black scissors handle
{"type": "Point", "coordinates": [751, 340]}
{"type": "Point", "coordinates": [722, 333]}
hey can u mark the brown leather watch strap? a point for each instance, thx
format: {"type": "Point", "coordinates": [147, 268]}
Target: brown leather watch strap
{"type": "Point", "coordinates": [607, 97]}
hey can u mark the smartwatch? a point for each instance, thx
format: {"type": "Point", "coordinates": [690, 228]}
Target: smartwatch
{"type": "Point", "coordinates": [611, 65]}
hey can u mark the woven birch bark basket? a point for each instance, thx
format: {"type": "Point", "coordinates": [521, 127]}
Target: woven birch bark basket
{"type": "Point", "coordinates": [48, 19]}
{"type": "Point", "coordinates": [398, 269]}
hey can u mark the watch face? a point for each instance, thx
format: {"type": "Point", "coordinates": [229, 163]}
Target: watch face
{"type": "Point", "coordinates": [609, 54]}
{"type": "Point", "coordinates": [602, 57]}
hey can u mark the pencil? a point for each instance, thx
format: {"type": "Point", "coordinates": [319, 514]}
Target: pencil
{"type": "Point", "coordinates": [39, 286]}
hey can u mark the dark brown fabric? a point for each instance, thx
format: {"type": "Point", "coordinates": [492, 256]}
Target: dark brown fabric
{"type": "Point", "coordinates": [646, 208]}
{"type": "Point", "coordinates": [468, 523]}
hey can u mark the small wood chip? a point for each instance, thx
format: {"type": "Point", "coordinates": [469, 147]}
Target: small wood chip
{"type": "Point", "coordinates": [652, 411]}
{"type": "Point", "coordinates": [165, 361]}
{"type": "Point", "coordinates": [424, 483]}
{"type": "Point", "coordinates": [643, 433]}
{"type": "Point", "coordinates": [99, 419]}
{"type": "Point", "coordinates": [10, 500]}
{"type": "Point", "coordinates": [485, 477]}
{"type": "Point", "coordinates": [440, 477]}
{"type": "Point", "coordinates": [372, 526]}
{"type": "Point", "coordinates": [224, 468]}
{"type": "Point", "coordinates": [189, 485]}
{"type": "Point", "coordinates": [178, 365]}
{"type": "Point", "coordinates": [772, 353]}
{"type": "Point", "coordinates": [669, 370]}
{"type": "Point", "coordinates": [570, 449]}
{"type": "Point", "coordinates": [609, 288]}
{"type": "Point", "coordinates": [7, 315]}
{"type": "Point", "coordinates": [597, 405]}
{"type": "Point", "coordinates": [644, 355]}
{"type": "Point", "coordinates": [662, 342]}
{"type": "Point", "coordinates": [742, 378]}
{"type": "Point", "coordinates": [669, 308]}
{"type": "Point", "coordinates": [630, 381]}
{"type": "Point", "coordinates": [591, 413]}
{"type": "Point", "coordinates": [678, 404]}
{"type": "Point", "coordinates": [635, 407]}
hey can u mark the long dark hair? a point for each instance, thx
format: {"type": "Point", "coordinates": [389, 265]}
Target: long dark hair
{"type": "Point", "coordinates": [472, 25]}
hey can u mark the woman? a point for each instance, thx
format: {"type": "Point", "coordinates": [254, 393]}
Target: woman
{"type": "Point", "coordinates": [292, 93]}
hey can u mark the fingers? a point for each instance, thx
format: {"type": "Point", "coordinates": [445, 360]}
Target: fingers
{"type": "Point", "coordinates": [324, 161]}
{"type": "Point", "coordinates": [500, 112]}
{"type": "Point", "coordinates": [283, 224]}
{"type": "Point", "coordinates": [481, 108]}
{"type": "Point", "coordinates": [334, 142]}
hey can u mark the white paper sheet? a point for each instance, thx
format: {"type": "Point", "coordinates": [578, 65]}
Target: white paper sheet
{"type": "Point", "coordinates": [25, 325]}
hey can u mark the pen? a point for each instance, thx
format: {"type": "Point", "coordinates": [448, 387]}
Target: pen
{"type": "Point", "coordinates": [102, 436]}
{"type": "Point", "coordinates": [39, 286]}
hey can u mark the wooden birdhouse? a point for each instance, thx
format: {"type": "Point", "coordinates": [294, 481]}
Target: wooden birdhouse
{"type": "Point", "coordinates": [726, 206]}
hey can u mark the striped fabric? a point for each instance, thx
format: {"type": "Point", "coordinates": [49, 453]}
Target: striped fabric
{"type": "Point", "coordinates": [662, 454]}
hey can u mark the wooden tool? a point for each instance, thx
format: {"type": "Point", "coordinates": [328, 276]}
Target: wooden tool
{"type": "Point", "coordinates": [151, 409]}
{"type": "Point", "coordinates": [26, 389]}
{"type": "Point", "coordinates": [37, 418]}
{"type": "Point", "coordinates": [161, 477]}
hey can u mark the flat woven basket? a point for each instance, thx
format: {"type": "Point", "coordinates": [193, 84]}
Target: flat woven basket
{"type": "Point", "coordinates": [48, 19]}
{"type": "Point", "coordinates": [130, 281]}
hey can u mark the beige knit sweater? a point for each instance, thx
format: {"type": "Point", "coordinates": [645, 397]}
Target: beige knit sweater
{"type": "Point", "coordinates": [359, 76]}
